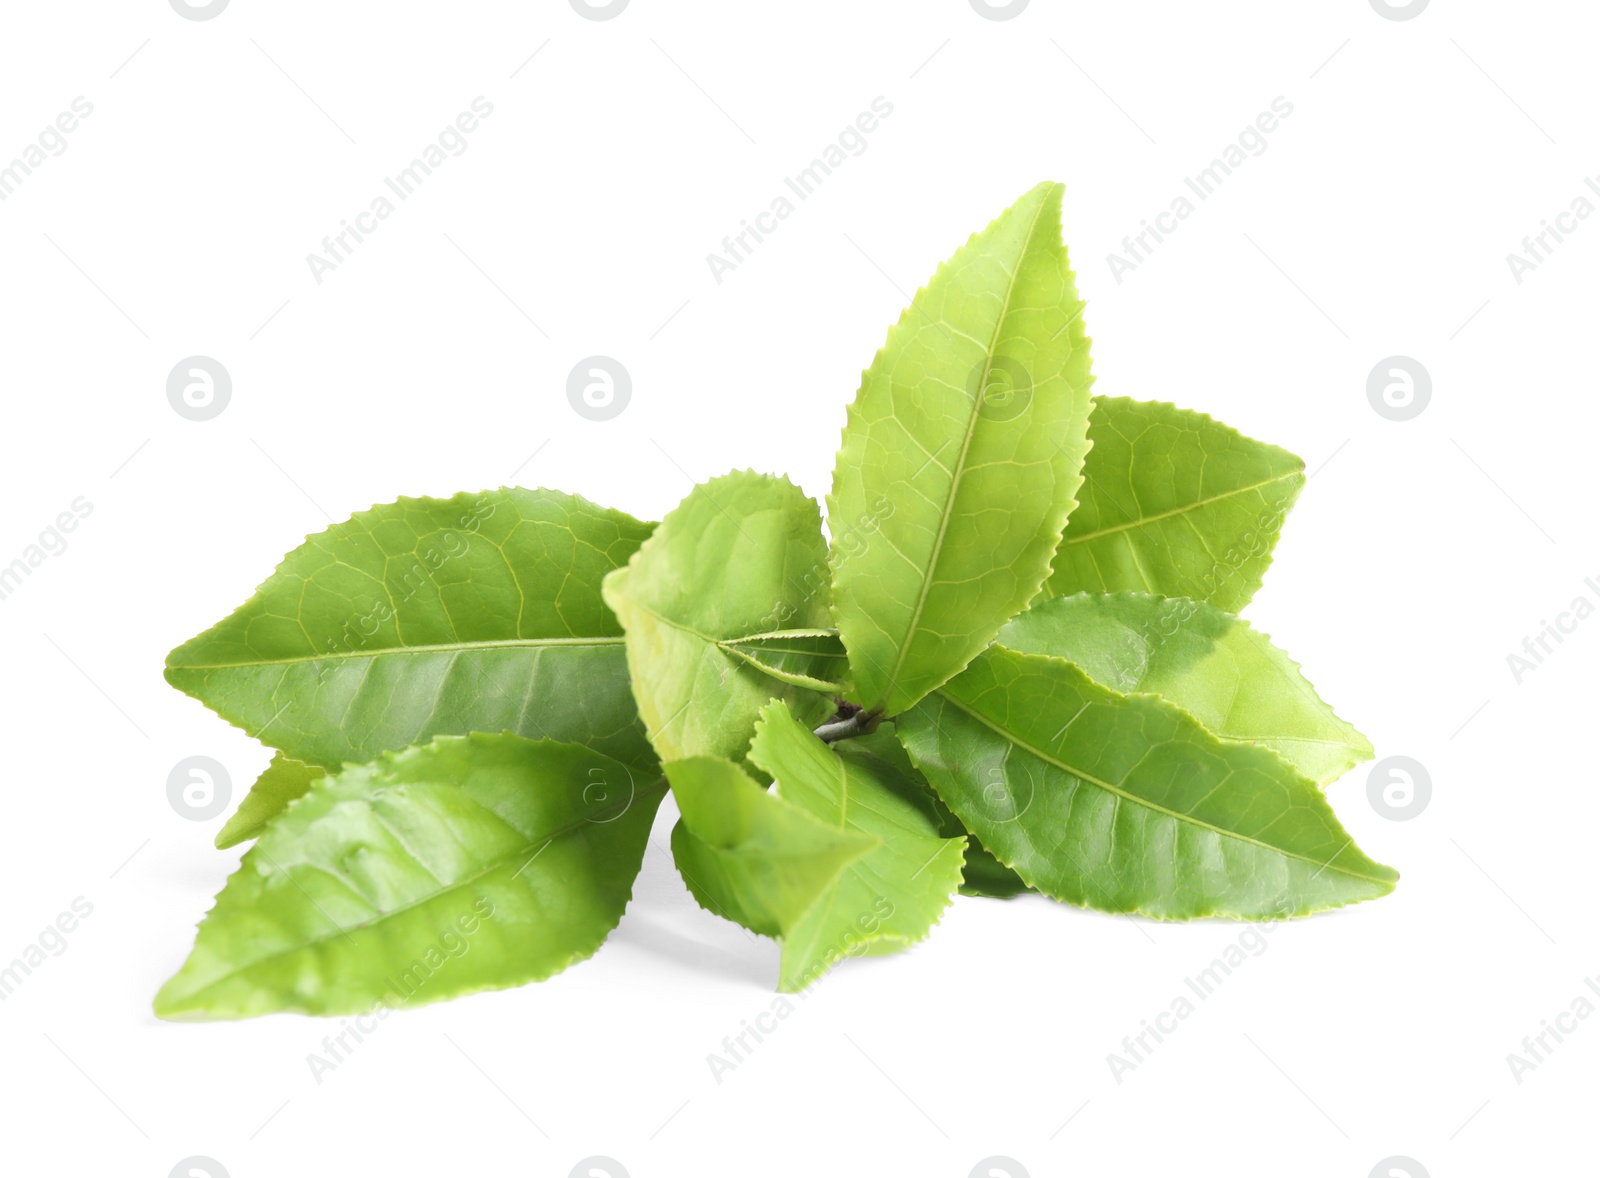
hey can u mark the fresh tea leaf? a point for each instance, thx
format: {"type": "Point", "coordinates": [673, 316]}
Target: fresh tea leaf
{"type": "Point", "coordinates": [1175, 504]}
{"type": "Point", "coordinates": [1125, 803]}
{"type": "Point", "coordinates": [706, 603]}
{"type": "Point", "coordinates": [747, 854]}
{"type": "Point", "coordinates": [1234, 681]}
{"type": "Point", "coordinates": [472, 863]}
{"type": "Point", "coordinates": [961, 457]}
{"type": "Point", "coordinates": [884, 901]}
{"type": "Point", "coordinates": [427, 617]}
{"type": "Point", "coordinates": [284, 780]}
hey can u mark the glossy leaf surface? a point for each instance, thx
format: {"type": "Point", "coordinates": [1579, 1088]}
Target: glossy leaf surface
{"type": "Point", "coordinates": [1231, 677]}
{"type": "Point", "coordinates": [471, 863]}
{"type": "Point", "coordinates": [961, 457]}
{"type": "Point", "coordinates": [427, 617]}
{"type": "Point", "coordinates": [1176, 504]}
{"type": "Point", "coordinates": [1125, 803]}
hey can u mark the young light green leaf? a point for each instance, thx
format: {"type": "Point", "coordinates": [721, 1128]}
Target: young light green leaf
{"type": "Point", "coordinates": [472, 863]}
{"type": "Point", "coordinates": [963, 451]}
{"type": "Point", "coordinates": [284, 780]}
{"type": "Point", "coordinates": [982, 874]}
{"type": "Point", "coordinates": [1175, 504]}
{"type": "Point", "coordinates": [748, 855]}
{"type": "Point", "coordinates": [427, 617]}
{"type": "Point", "coordinates": [884, 901]}
{"type": "Point", "coordinates": [1125, 803]}
{"type": "Point", "coordinates": [740, 561]}
{"type": "Point", "coordinates": [1234, 681]}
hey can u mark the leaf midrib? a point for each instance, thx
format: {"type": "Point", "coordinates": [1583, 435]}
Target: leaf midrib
{"type": "Point", "coordinates": [726, 645]}
{"type": "Point", "coordinates": [960, 465]}
{"type": "Point", "coordinates": [1069, 538]}
{"type": "Point", "coordinates": [430, 648]}
{"type": "Point", "coordinates": [1145, 802]}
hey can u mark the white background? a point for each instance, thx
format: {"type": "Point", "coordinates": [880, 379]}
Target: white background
{"type": "Point", "coordinates": [1377, 222]}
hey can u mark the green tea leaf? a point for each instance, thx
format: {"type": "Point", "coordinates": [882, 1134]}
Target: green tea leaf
{"type": "Point", "coordinates": [1234, 681]}
{"type": "Point", "coordinates": [283, 781]}
{"type": "Point", "coordinates": [427, 617]}
{"type": "Point", "coordinates": [1175, 504]}
{"type": "Point", "coordinates": [1125, 803]}
{"type": "Point", "coordinates": [961, 458]}
{"type": "Point", "coordinates": [706, 603]}
{"type": "Point", "coordinates": [884, 901]}
{"type": "Point", "coordinates": [472, 863]}
{"type": "Point", "coordinates": [748, 855]}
